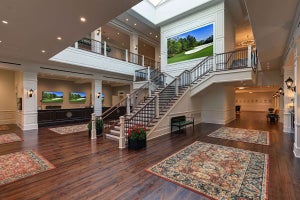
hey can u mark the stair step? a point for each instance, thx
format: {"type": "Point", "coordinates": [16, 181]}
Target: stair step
{"type": "Point", "coordinates": [114, 132]}
{"type": "Point", "coordinates": [112, 137]}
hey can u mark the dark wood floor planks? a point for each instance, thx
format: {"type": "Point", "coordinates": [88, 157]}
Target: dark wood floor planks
{"type": "Point", "coordinates": [88, 169]}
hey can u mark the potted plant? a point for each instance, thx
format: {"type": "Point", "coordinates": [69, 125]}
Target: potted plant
{"type": "Point", "coordinates": [99, 126]}
{"type": "Point", "coordinates": [137, 137]}
{"type": "Point", "coordinates": [89, 126]}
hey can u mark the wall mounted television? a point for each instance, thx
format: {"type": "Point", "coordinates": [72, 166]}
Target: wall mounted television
{"type": "Point", "coordinates": [192, 44]}
{"type": "Point", "coordinates": [77, 97]}
{"type": "Point", "coordinates": [52, 97]}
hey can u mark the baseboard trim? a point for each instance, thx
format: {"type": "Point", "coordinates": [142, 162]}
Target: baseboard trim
{"type": "Point", "coordinates": [28, 127]}
{"type": "Point", "coordinates": [296, 151]}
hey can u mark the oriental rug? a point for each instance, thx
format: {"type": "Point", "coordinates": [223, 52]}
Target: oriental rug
{"type": "Point", "coordinates": [22, 164]}
{"type": "Point", "coordinates": [243, 135]}
{"type": "Point", "coordinates": [10, 137]}
{"type": "Point", "coordinates": [4, 128]}
{"type": "Point", "coordinates": [217, 172]}
{"type": "Point", "coordinates": [70, 129]}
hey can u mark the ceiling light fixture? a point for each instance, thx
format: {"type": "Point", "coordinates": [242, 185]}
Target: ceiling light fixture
{"type": "Point", "coordinates": [59, 38]}
{"type": "Point", "coordinates": [4, 22]}
{"type": "Point", "coordinates": [82, 19]}
{"type": "Point", "coordinates": [135, 24]}
{"type": "Point", "coordinates": [150, 33]}
{"type": "Point", "coordinates": [247, 42]}
{"type": "Point", "coordinates": [43, 51]}
{"type": "Point", "coordinates": [156, 36]}
{"type": "Point", "coordinates": [118, 33]}
{"type": "Point", "coordinates": [127, 19]}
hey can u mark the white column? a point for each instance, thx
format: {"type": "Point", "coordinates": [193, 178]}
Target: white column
{"type": "Point", "coordinates": [97, 102]}
{"type": "Point", "coordinates": [96, 36]}
{"type": "Point", "coordinates": [29, 112]}
{"type": "Point", "coordinates": [128, 105]}
{"type": "Point", "coordinates": [249, 56]}
{"type": "Point", "coordinates": [214, 62]}
{"type": "Point", "coordinates": [297, 98]}
{"type": "Point", "coordinates": [134, 42]}
{"type": "Point", "coordinates": [157, 105]}
{"type": "Point", "coordinates": [287, 100]}
{"type": "Point", "coordinates": [93, 133]}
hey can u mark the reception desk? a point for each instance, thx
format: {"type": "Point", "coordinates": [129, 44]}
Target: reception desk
{"type": "Point", "coordinates": [52, 117]}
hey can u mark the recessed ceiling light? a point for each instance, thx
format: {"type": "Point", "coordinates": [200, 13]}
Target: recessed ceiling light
{"type": "Point", "coordinates": [135, 24]}
{"type": "Point", "coordinates": [150, 33]}
{"type": "Point", "coordinates": [127, 19]}
{"type": "Point", "coordinates": [156, 36]}
{"type": "Point", "coordinates": [108, 38]}
{"type": "Point", "coordinates": [82, 19]}
{"type": "Point", "coordinates": [241, 88]}
{"type": "Point", "coordinates": [0, 41]}
{"type": "Point", "coordinates": [43, 51]}
{"type": "Point", "coordinates": [4, 22]}
{"type": "Point", "coordinates": [250, 92]}
{"type": "Point", "coordinates": [59, 38]}
{"type": "Point", "coordinates": [118, 33]}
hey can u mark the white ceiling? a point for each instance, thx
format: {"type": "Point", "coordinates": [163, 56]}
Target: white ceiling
{"type": "Point", "coordinates": [34, 25]}
{"type": "Point", "coordinates": [271, 22]}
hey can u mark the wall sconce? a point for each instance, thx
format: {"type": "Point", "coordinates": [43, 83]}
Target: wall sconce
{"type": "Point", "coordinates": [30, 93]}
{"type": "Point", "coordinates": [289, 82]}
{"type": "Point", "coordinates": [280, 91]}
{"type": "Point", "coordinates": [98, 32]}
{"type": "Point", "coordinates": [98, 95]}
{"type": "Point", "coordinates": [136, 47]}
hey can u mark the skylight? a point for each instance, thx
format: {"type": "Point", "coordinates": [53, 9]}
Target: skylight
{"type": "Point", "coordinates": [156, 2]}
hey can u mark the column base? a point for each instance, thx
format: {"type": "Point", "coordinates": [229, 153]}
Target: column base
{"type": "Point", "coordinates": [296, 151]}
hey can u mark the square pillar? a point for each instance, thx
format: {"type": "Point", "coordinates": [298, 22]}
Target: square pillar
{"type": "Point", "coordinates": [96, 96]}
{"type": "Point", "coordinates": [29, 119]}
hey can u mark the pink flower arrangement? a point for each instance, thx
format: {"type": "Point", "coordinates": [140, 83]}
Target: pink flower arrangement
{"type": "Point", "coordinates": [137, 132]}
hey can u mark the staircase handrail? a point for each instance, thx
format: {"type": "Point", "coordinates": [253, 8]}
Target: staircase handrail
{"type": "Point", "coordinates": [132, 94]}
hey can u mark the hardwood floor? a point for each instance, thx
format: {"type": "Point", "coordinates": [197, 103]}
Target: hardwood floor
{"type": "Point", "coordinates": [88, 169]}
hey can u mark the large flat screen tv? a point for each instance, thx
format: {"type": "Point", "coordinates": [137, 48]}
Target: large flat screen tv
{"type": "Point", "coordinates": [52, 97]}
{"type": "Point", "coordinates": [77, 97]}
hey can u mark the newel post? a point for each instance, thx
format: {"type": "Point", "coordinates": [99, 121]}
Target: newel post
{"type": "Point", "coordinates": [93, 133]}
{"type": "Point", "coordinates": [126, 55]}
{"type": "Point", "coordinates": [176, 86]}
{"type": "Point", "coordinates": [215, 62]}
{"type": "Point", "coordinates": [249, 56]}
{"type": "Point", "coordinates": [148, 74]}
{"type": "Point", "coordinates": [157, 105]}
{"type": "Point", "coordinates": [105, 46]}
{"type": "Point", "coordinates": [143, 60]}
{"type": "Point", "coordinates": [76, 45]}
{"type": "Point", "coordinates": [128, 104]}
{"type": "Point", "coordinates": [122, 133]}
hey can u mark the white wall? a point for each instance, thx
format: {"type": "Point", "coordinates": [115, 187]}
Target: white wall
{"type": "Point", "coordinates": [229, 31]}
{"type": "Point", "coordinates": [7, 97]}
{"type": "Point", "coordinates": [211, 15]}
{"type": "Point", "coordinates": [257, 101]}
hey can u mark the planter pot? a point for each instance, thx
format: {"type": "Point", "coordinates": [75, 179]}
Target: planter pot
{"type": "Point", "coordinates": [98, 131]}
{"type": "Point", "coordinates": [136, 144]}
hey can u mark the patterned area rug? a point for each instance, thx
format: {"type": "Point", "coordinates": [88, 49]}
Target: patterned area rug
{"type": "Point", "coordinates": [217, 172]}
{"type": "Point", "coordinates": [22, 164]}
{"type": "Point", "coordinates": [11, 137]}
{"type": "Point", "coordinates": [4, 128]}
{"type": "Point", "coordinates": [243, 135]}
{"type": "Point", "coordinates": [70, 129]}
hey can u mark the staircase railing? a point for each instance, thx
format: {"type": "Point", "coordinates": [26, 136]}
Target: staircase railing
{"type": "Point", "coordinates": [232, 60]}
{"type": "Point", "coordinates": [111, 116]}
{"type": "Point", "coordinates": [110, 50]}
{"type": "Point", "coordinates": [201, 69]}
{"type": "Point", "coordinates": [157, 104]}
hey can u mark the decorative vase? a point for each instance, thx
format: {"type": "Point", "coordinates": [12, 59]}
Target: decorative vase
{"type": "Point", "coordinates": [136, 144]}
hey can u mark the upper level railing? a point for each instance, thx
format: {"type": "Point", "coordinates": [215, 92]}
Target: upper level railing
{"type": "Point", "coordinates": [110, 50]}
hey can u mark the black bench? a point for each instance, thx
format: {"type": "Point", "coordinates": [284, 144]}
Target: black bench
{"type": "Point", "coordinates": [180, 122]}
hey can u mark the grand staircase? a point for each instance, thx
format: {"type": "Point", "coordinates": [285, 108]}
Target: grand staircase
{"type": "Point", "coordinates": [149, 103]}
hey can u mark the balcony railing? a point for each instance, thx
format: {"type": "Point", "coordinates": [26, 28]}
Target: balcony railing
{"type": "Point", "coordinates": [109, 50]}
